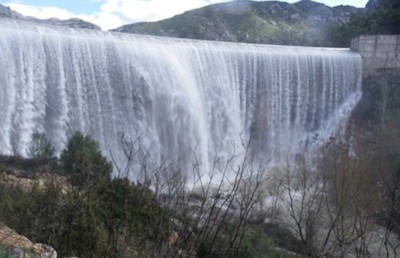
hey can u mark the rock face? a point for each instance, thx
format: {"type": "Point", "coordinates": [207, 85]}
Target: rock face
{"type": "Point", "coordinates": [303, 23]}
{"type": "Point", "coordinates": [39, 180]}
{"type": "Point", "coordinates": [6, 12]}
{"type": "Point", "coordinates": [21, 246]}
{"type": "Point", "coordinates": [373, 5]}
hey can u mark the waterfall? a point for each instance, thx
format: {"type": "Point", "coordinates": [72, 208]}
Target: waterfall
{"type": "Point", "coordinates": [178, 97]}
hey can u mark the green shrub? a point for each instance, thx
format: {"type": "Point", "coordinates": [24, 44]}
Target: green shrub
{"type": "Point", "coordinates": [384, 20]}
{"type": "Point", "coordinates": [130, 212]}
{"type": "Point", "coordinates": [82, 161]}
{"type": "Point", "coordinates": [104, 220]}
{"type": "Point", "coordinates": [28, 165]}
{"type": "Point", "coordinates": [251, 242]}
{"type": "Point", "coordinates": [4, 254]}
{"type": "Point", "coordinates": [63, 221]}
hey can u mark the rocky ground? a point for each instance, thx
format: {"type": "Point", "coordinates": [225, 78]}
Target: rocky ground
{"type": "Point", "coordinates": [16, 245]}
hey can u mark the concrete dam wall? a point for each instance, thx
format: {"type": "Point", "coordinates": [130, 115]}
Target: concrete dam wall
{"type": "Point", "coordinates": [378, 52]}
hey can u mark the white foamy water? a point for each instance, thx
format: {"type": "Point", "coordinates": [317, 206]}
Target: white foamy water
{"type": "Point", "coordinates": [180, 96]}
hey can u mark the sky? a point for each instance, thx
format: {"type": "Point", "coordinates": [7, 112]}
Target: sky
{"type": "Point", "coordinates": [111, 14]}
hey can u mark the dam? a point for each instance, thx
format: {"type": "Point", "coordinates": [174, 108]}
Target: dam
{"type": "Point", "coordinates": [180, 98]}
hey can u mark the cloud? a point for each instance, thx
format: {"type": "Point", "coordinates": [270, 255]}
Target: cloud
{"type": "Point", "coordinates": [141, 10]}
{"type": "Point", "coordinates": [115, 13]}
{"type": "Point", "coordinates": [40, 12]}
{"type": "Point", "coordinates": [103, 19]}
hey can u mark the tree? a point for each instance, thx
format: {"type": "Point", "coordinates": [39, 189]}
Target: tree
{"type": "Point", "coordinates": [385, 19]}
{"type": "Point", "coordinates": [329, 201]}
{"type": "Point", "coordinates": [82, 161]}
{"type": "Point", "coordinates": [40, 147]}
{"type": "Point", "coordinates": [131, 217]}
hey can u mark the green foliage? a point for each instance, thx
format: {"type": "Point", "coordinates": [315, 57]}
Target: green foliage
{"type": "Point", "coordinates": [4, 254]}
{"type": "Point", "coordinates": [128, 212]}
{"type": "Point", "coordinates": [251, 242]}
{"type": "Point", "coordinates": [40, 147]}
{"type": "Point", "coordinates": [385, 3]}
{"type": "Point", "coordinates": [100, 218]}
{"type": "Point", "coordinates": [256, 243]}
{"type": "Point", "coordinates": [378, 115]}
{"type": "Point", "coordinates": [252, 22]}
{"type": "Point", "coordinates": [384, 20]}
{"type": "Point", "coordinates": [115, 218]}
{"type": "Point", "coordinates": [48, 216]}
{"type": "Point", "coordinates": [341, 36]}
{"type": "Point", "coordinates": [82, 161]}
{"type": "Point", "coordinates": [104, 221]}
{"type": "Point", "coordinates": [28, 164]}
{"type": "Point", "coordinates": [381, 98]}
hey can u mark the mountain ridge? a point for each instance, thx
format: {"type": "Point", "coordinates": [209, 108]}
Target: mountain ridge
{"type": "Point", "coordinates": [268, 22]}
{"type": "Point", "coordinates": [305, 23]}
{"type": "Point", "coordinates": [7, 12]}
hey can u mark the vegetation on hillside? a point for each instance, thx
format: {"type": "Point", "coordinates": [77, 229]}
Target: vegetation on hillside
{"type": "Point", "coordinates": [377, 120]}
{"type": "Point", "coordinates": [93, 219]}
{"type": "Point", "coordinates": [96, 215]}
{"type": "Point", "coordinates": [327, 206]}
{"type": "Point", "coordinates": [385, 19]}
{"type": "Point", "coordinates": [304, 23]}
{"type": "Point", "coordinates": [270, 22]}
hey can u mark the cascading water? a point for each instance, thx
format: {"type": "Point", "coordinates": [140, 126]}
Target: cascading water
{"type": "Point", "coordinates": [179, 96]}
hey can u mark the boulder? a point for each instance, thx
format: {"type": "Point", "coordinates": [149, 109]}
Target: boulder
{"type": "Point", "coordinates": [20, 246]}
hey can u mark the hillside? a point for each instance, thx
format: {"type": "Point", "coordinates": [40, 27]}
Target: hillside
{"type": "Point", "coordinates": [273, 22]}
{"type": "Point", "coordinates": [381, 17]}
{"type": "Point", "coordinates": [6, 12]}
{"type": "Point", "coordinates": [373, 5]}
